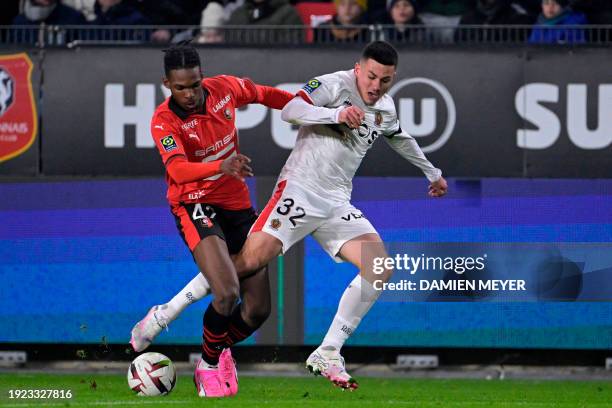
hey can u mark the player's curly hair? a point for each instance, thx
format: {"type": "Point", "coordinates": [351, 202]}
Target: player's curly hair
{"type": "Point", "coordinates": [381, 52]}
{"type": "Point", "coordinates": [180, 56]}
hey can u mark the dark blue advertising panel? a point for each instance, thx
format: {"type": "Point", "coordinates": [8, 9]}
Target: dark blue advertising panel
{"type": "Point", "coordinates": [553, 235]}
{"type": "Point", "coordinates": [73, 244]}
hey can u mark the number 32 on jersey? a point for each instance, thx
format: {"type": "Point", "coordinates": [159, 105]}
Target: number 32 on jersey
{"type": "Point", "coordinates": [287, 206]}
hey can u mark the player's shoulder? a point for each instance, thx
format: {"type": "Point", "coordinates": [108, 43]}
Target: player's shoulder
{"type": "Point", "coordinates": [163, 107]}
{"type": "Point", "coordinates": [387, 105]}
{"type": "Point", "coordinates": [332, 84]}
{"type": "Point", "coordinates": [219, 82]}
{"type": "Point", "coordinates": [336, 78]}
{"type": "Point", "coordinates": [220, 79]}
{"type": "Point", "coordinates": [223, 82]}
{"type": "Point", "coordinates": [163, 113]}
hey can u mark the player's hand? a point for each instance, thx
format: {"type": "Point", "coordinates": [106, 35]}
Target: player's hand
{"type": "Point", "coordinates": [438, 188]}
{"type": "Point", "coordinates": [352, 116]}
{"type": "Point", "coordinates": [237, 166]}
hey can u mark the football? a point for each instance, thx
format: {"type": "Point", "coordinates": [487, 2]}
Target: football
{"type": "Point", "coordinates": [151, 374]}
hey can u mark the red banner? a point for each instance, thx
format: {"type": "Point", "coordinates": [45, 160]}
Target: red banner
{"type": "Point", "coordinates": [18, 118]}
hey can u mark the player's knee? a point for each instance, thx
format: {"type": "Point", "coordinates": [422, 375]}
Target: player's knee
{"type": "Point", "coordinates": [252, 263]}
{"type": "Point", "coordinates": [226, 299]}
{"type": "Point", "coordinates": [245, 264]}
{"type": "Point", "coordinates": [371, 276]}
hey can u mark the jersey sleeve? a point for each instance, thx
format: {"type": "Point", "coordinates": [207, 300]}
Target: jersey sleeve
{"type": "Point", "coordinates": [408, 148]}
{"type": "Point", "coordinates": [319, 91]}
{"type": "Point", "coordinates": [391, 124]}
{"type": "Point", "coordinates": [243, 89]}
{"type": "Point", "coordinates": [300, 112]}
{"type": "Point", "coordinates": [392, 129]}
{"type": "Point", "coordinates": [166, 137]}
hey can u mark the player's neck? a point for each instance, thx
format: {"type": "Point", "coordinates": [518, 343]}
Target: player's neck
{"type": "Point", "coordinates": [183, 113]}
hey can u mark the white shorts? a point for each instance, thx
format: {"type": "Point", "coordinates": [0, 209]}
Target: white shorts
{"type": "Point", "coordinates": [294, 212]}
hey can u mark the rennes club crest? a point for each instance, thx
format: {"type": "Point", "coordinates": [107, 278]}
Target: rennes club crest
{"type": "Point", "coordinates": [18, 119]}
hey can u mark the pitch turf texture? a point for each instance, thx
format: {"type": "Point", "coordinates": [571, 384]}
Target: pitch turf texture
{"type": "Point", "coordinates": [112, 391]}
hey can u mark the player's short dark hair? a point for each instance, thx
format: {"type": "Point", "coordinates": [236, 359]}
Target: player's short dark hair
{"type": "Point", "coordinates": [180, 56]}
{"type": "Point", "coordinates": [381, 52]}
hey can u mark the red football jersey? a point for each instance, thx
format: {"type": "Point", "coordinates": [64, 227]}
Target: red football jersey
{"type": "Point", "coordinates": [205, 136]}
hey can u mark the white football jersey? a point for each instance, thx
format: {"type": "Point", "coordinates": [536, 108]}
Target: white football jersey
{"type": "Point", "coordinates": [326, 156]}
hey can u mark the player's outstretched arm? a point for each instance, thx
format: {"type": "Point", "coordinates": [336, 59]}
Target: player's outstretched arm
{"type": "Point", "coordinates": [407, 147]}
{"type": "Point", "coordinates": [272, 97]}
{"type": "Point", "coordinates": [300, 112]}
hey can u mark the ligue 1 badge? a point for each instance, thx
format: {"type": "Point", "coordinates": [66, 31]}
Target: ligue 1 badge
{"type": "Point", "coordinates": [227, 113]}
{"type": "Point", "coordinates": [168, 143]}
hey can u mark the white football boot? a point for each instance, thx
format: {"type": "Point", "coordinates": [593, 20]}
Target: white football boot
{"type": "Point", "coordinates": [330, 364]}
{"type": "Point", "coordinates": [145, 331]}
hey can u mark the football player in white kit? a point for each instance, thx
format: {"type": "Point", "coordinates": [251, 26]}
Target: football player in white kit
{"type": "Point", "coordinates": [340, 116]}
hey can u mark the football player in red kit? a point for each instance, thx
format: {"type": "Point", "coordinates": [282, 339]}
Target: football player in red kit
{"type": "Point", "coordinates": [195, 133]}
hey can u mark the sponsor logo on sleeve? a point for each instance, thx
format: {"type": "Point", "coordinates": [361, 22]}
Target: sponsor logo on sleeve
{"type": "Point", "coordinates": [219, 105]}
{"type": "Point", "coordinates": [168, 143]}
{"type": "Point", "coordinates": [311, 86]}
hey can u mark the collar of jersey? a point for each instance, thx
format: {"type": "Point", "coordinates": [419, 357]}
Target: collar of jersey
{"type": "Point", "coordinates": [182, 113]}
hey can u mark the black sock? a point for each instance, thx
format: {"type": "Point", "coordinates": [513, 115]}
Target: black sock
{"type": "Point", "coordinates": [215, 335]}
{"type": "Point", "coordinates": [238, 329]}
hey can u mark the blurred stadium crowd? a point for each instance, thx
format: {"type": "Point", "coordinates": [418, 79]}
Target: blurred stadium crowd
{"type": "Point", "coordinates": [294, 21]}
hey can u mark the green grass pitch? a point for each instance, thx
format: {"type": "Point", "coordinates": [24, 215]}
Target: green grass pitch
{"type": "Point", "coordinates": [98, 390]}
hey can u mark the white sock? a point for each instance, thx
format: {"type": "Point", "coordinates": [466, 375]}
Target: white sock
{"type": "Point", "coordinates": [194, 291]}
{"type": "Point", "coordinates": [356, 300]}
{"type": "Point", "coordinates": [203, 365]}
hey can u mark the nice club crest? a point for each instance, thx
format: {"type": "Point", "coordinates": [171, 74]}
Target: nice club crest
{"type": "Point", "coordinates": [18, 118]}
